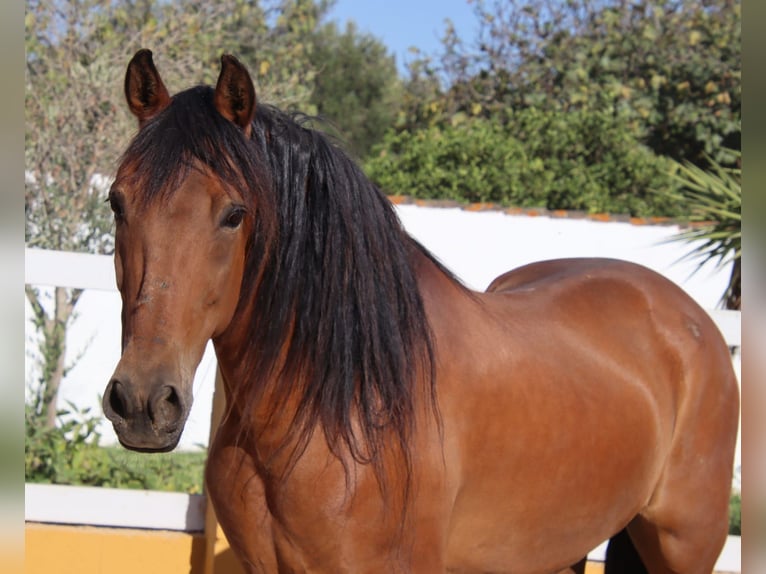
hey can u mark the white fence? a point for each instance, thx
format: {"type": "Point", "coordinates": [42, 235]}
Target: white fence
{"type": "Point", "coordinates": [125, 508]}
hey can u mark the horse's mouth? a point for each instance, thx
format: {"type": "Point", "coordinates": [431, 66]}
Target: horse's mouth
{"type": "Point", "coordinates": [148, 444]}
{"type": "Point", "coordinates": [150, 449]}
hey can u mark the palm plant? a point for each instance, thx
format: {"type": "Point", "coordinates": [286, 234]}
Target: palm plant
{"type": "Point", "coordinates": [714, 197]}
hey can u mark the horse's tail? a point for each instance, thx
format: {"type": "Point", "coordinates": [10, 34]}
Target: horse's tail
{"type": "Point", "coordinates": [622, 556]}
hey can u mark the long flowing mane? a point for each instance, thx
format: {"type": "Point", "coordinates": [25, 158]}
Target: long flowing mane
{"type": "Point", "coordinates": [337, 315]}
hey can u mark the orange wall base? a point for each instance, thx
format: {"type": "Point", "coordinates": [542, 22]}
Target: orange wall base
{"type": "Point", "coordinates": [90, 550]}
{"type": "Point", "coordinates": [64, 549]}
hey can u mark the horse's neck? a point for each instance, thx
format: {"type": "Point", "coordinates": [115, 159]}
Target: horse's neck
{"type": "Point", "coordinates": [456, 314]}
{"type": "Point", "coordinates": [438, 290]}
{"type": "Point", "coordinates": [259, 427]}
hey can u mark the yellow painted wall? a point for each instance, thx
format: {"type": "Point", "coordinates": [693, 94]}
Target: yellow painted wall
{"type": "Point", "coordinates": [61, 549]}
{"type": "Point", "coordinates": [64, 549]}
{"type": "Point", "coordinates": [57, 549]}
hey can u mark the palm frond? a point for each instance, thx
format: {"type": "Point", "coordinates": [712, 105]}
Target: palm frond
{"type": "Point", "coordinates": [714, 198]}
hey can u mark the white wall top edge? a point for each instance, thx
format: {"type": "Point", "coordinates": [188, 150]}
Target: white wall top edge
{"type": "Point", "coordinates": [111, 507]}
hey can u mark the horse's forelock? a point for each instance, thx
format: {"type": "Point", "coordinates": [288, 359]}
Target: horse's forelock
{"type": "Point", "coordinates": [191, 134]}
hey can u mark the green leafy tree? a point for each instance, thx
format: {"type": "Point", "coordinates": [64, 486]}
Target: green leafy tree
{"type": "Point", "coordinates": [356, 85]}
{"type": "Point", "coordinates": [275, 40]}
{"type": "Point", "coordinates": [661, 78]}
{"type": "Point", "coordinates": [673, 65]}
{"type": "Point", "coordinates": [69, 115]}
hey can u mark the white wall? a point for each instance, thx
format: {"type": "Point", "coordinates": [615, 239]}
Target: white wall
{"type": "Point", "coordinates": [477, 246]}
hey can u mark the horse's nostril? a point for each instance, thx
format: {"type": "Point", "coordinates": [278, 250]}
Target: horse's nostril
{"type": "Point", "coordinates": [173, 398]}
{"type": "Point", "coordinates": [117, 402]}
{"type": "Point", "coordinates": [166, 407]}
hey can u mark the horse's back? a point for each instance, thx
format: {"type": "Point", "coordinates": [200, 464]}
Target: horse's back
{"type": "Point", "coordinates": [613, 295]}
{"type": "Point", "coordinates": [626, 303]}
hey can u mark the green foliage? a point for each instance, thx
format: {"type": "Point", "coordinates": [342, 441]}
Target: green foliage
{"type": "Point", "coordinates": [593, 162]}
{"type": "Point", "coordinates": [275, 40]}
{"type": "Point", "coordinates": [595, 95]}
{"type": "Point", "coordinates": [735, 514]}
{"type": "Point", "coordinates": [356, 86]}
{"type": "Point", "coordinates": [672, 66]}
{"type": "Point", "coordinates": [469, 162]}
{"type": "Point", "coordinates": [714, 200]}
{"type": "Point", "coordinates": [69, 453]}
{"type": "Point", "coordinates": [557, 160]}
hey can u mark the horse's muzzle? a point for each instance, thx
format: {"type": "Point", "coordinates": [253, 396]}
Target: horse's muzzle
{"type": "Point", "coordinates": [150, 424]}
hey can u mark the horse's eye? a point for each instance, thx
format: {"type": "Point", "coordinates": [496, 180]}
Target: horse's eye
{"type": "Point", "coordinates": [234, 217]}
{"type": "Point", "coordinates": [115, 202]}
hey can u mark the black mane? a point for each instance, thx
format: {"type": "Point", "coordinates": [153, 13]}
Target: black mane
{"type": "Point", "coordinates": [337, 316]}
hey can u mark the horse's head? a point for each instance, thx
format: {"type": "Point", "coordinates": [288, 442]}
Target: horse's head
{"type": "Point", "coordinates": [182, 232]}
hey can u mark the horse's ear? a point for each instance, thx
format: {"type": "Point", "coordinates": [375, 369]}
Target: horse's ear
{"type": "Point", "coordinates": [234, 93]}
{"type": "Point", "coordinates": [146, 94]}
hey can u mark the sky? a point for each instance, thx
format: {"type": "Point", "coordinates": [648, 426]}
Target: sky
{"type": "Point", "coordinates": [400, 24]}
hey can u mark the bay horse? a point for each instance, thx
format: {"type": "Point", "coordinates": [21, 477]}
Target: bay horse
{"type": "Point", "coordinates": [382, 417]}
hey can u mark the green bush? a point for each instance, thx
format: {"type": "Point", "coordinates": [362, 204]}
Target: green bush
{"type": "Point", "coordinates": [70, 454]}
{"type": "Point", "coordinates": [473, 161]}
{"type": "Point", "coordinates": [589, 161]}
{"type": "Point", "coordinates": [673, 66]}
{"type": "Point", "coordinates": [594, 162]}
